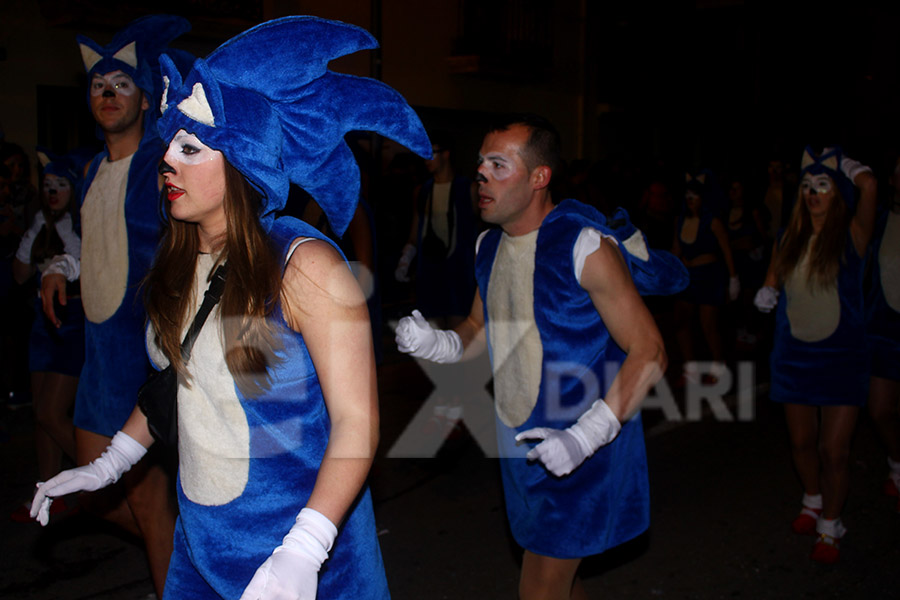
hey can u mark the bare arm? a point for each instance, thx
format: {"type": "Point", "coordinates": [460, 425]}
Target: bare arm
{"type": "Point", "coordinates": [606, 279]}
{"type": "Point", "coordinates": [863, 222]}
{"type": "Point", "coordinates": [325, 304]}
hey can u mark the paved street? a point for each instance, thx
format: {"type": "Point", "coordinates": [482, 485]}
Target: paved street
{"type": "Point", "coordinates": [723, 496]}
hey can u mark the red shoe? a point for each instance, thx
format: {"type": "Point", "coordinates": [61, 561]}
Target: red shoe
{"type": "Point", "coordinates": [826, 550]}
{"type": "Point", "coordinates": [805, 523]}
{"type": "Point", "coordinates": [23, 513]}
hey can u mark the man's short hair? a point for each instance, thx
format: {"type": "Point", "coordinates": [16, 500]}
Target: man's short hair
{"type": "Point", "coordinates": [543, 146]}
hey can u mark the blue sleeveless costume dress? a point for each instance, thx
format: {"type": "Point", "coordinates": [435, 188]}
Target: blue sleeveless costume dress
{"type": "Point", "coordinates": [883, 318]}
{"type": "Point", "coordinates": [605, 501]}
{"type": "Point", "coordinates": [709, 282]}
{"type": "Point", "coordinates": [115, 364]}
{"type": "Point", "coordinates": [834, 370]}
{"type": "Point", "coordinates": [219, 546]}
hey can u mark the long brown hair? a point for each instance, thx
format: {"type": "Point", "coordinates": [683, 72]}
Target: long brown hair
{"type": "Point", "coordinates": [251, 294]}
{"type": "Point", "coordinates": [826, 253]}
{"type": "Point", "coordinates": [47, 243]}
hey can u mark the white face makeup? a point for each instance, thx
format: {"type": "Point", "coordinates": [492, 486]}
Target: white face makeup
{"type": "Point", "coordinates": [117, 81]}
{"type": "Point", "coordinates": [499, 166]}
{"type": "Point", "coordinates": [187, 149]}
{"type": "Point", "coordinates": [820, 184]}
{"type": "Point", "coordinates": [56, 184]}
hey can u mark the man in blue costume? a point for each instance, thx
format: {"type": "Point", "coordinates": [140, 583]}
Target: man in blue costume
{"type": "Point", "coordinates": [574, 352]}
{"type": "Point", "coordinates": [120, 231]}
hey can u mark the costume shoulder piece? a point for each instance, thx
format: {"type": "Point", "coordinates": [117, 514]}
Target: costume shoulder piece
{"type": "Point", "coordinates": [655, 272]}
{"type": "Point", "coordinates": [287, 124]}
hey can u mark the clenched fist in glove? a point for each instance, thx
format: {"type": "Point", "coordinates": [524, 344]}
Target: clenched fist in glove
{"type": "Point", "coordinates": [118, 457]}
{"type": "Point", "coordinates": [766, 299]}
{"type": "Point", "coordinates": [292, 571]}
{"type": "Point", "coordinates": [563, 450]}
{"type": "Point", "coordinates": [416, 336]}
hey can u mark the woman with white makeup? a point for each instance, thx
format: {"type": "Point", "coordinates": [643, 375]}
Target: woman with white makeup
{"type": "Point", "coordinates": [819, 363]}
{"type": "Point", "coordinates": [277, 404]}
{"type": "Point", "coordinates": [55, 354]}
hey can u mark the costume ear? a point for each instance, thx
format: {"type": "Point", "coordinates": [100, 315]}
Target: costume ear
{"type": "Point", "coordinates": [128, 55]}
{"type": "Point", "coordinates": [831, 163]}
{"type": "Point", "coordinates": [701, 178]}
{"type": "Point", "coordinates": [89, 57]}
{"type": "Point", "coordinates": [171, 77]}
{"type": "Point", "coordinates": [808, 158]}
{"type": "Point", "coordinates": [687, 177]}
{"type": "Point", "coordinates": [43, 158]}
{"type": "Point", "coordinates": [196, 106]}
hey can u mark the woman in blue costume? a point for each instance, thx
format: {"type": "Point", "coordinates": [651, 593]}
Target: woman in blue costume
{"type": "Point", "coordinates": [819, 366]}
{"type": "Point", "coordinates": [277, 406]}
{"type": "Point", "coordinates": [701, 242]}
{"type": "Point", "coordinates": [883, 332]}
{"type": "Point", "coordinates": [55, 354]}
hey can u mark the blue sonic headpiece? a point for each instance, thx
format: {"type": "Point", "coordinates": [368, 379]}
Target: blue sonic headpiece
{"type": "Point", "coordinates": [69, 166]}
{"type": "Point", "coordinates": [829, 163]}
{"type": "Point", "coordinates": [268, 102]}
{"type": "Point", "coordinates": [135, 51]}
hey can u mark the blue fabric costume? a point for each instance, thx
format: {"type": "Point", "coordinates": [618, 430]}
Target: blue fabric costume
{"type": "Point", "coordinates": [445, 282]}
{"type": "Point", "coordinates": [107, 390]}
{"type": "Point", "coordinates": [219, 547]}
{"type": "Point", "coordinates": [605, 501]}
{"type": "Point", "coordinates": [883, 319]}
{"type": "Point", "coordinates": [834, 370]}
{"type": "Point", "coordinates": [267, 101]}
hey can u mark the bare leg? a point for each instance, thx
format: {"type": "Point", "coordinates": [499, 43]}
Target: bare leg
{"type": "Point", "coordinates": [150, 499]}
{"type": "Point", "coordinates": [838, 424]}
{"type": "Point", "coordinates": [545, 578]}
{"type": "Point", "coordinates": [709, 322]}
{"type": "Point", "coordinates": [803, 428]}
{"type": "Point", "coordinates": [53, 395]}
{"type": "Point", "coordinates": [884, 401]}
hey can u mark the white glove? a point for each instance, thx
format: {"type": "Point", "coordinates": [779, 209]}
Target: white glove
{"type": "Point", "coordinates": [563, 450]}
{"type": "Point", "coordinates": [416, 336]}
{"type": "Point", "coordinates": [766, 299]}
{"type": "Point", "coordinates": [118, 457]}
{"type": "Point", "coordinates": [65, 265]}
{"type": "Point", "coordinates": [401, 273]}
{"type": "Point", "coordinates": [734, 288]}
{"type": "Point", "coordinates": [292, 571]}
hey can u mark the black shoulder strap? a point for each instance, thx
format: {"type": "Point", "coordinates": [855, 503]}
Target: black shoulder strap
{"type": "Point", "coordinates": [210, 299]}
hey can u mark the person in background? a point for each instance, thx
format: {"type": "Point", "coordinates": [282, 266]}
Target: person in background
{"type": "Point", "coordinates": [120, 225]}
{"type": "Point", "coordinates": [883, 331]}
{"type": "Point", "coordinates": [701, 242]}
{"type": "Point", "coordinates": [442, 239]}
{"type": "Point", "coordinates": [55, 354]}
{"type": "Point", "coordinates": [819, 364]}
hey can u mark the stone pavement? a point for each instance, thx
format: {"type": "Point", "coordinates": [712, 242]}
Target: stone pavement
{"type": "Point", "coordinates": [723, 497]}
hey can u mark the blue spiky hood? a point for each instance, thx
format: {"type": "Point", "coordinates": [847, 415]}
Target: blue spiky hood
{"type": "Point", "coordinates": [69, 166]}
{"type": "Point", "coordinates": [829, 163]}
{"type": "Point", "coordinates": [268, 102]}
{"type": "Point", "coordinates": [135, 51]}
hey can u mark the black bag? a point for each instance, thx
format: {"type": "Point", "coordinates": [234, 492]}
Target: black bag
{"type": "Point", "coordinates": [158, 396]}
{"type": "Point", "coordinates": [158, 401]}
